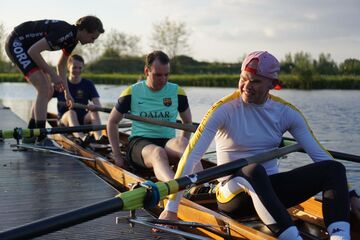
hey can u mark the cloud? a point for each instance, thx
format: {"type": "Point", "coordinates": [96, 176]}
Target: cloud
{"type": "Point", "coordinates": [269, 32]}
{"type": "Point", "coordinates": [311, 16]}
{"type": "Point", "coordinates": [225, 29]}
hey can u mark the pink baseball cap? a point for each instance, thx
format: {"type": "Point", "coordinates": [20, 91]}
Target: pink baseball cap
{"type": "Point", "coordinates": [263, 64]}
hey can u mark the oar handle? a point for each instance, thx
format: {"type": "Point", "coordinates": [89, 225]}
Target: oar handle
{"type": "Point", "coordinates": [82, 106]}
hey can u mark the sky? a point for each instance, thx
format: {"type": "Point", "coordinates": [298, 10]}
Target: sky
{"type": "Point", "coordinates": [220, 30]}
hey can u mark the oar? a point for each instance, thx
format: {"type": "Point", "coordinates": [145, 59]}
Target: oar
{"type": "Point", "coordinates": [335, 154]}
{"type": "Point", "coordinates": [82, 106]}
{"type": "Point", "coordinates": [46, 150]}
{"type": "Point", "coordinates": [193, 127]}
{"type": "Point", "coordinates": [178, 125]}
{"type": "Point", "coordinates": [185, 127]}
{"type": "Point", "coordinates": [134, 199]}
{"type": "Point", "coordinates": [19, 133]}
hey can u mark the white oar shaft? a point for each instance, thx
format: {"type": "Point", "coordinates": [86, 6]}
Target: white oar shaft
{"type": "Point", "coordinates": [185, 127]}
{"type": "Point", "coordinates": [60, 152]}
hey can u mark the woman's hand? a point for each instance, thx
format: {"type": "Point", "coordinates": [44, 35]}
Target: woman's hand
{"type": "Point", "coordinates": [58, 83]}
{"type": "Point", "coordinates": [91, 107]}
{"type": "Point", "coordinates": [69, 99]}
{"type": "Point", "coordinates": [118, 160]}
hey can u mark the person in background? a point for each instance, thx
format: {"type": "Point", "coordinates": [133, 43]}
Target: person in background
{"type": "Point", "coordinates": [252, 121]}
{"type": "Point", "coordinates": [151, 146]}
{"type": "Point", "coordinates": [24, 46]}
{"type": "Point", "coordinates": [84, 92]}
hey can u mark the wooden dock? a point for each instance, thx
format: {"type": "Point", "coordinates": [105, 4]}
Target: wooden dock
{"type": "Point", "coordinates": [35, 185]}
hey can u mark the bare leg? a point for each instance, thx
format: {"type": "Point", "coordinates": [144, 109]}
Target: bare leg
{"type": "Point", "coordinates": [156, 157]}
{"type": "Point", "coordinates": [175, 148]}
{"type": "Point", "coordinates": [94, 119]}
{"type": "Point", "coordinates": [70, 119]}
{"type": "Point", "coordinates": [43, 87]}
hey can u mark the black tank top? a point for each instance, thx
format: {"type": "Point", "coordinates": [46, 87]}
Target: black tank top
{"type": "Point", "coordinates": [59, 34]}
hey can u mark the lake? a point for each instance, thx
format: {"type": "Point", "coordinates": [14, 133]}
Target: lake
{"type": "Point", "coordinates": [334, 115]}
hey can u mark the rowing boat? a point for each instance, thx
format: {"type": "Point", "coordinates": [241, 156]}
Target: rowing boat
{"type": "Point", "coordinates": [199, 208]}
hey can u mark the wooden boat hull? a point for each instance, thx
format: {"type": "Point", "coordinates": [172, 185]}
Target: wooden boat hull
{"type": "Point", "coordinates": [307, 216]}
{"type": "Point", "coordinates": [188, 211]}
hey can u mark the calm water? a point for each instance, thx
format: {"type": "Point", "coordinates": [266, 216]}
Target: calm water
{"type": "Point", "coordinates": [334, 115]}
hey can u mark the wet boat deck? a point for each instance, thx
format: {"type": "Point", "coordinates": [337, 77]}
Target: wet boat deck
{"type": "Point", "coordinates": [34, 185]}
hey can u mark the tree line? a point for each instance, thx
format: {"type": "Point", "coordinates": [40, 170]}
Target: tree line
{"type": "Point", "coordinates": [119, 52]}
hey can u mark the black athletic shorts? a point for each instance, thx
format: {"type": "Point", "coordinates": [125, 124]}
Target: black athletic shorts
{"type": "Point", "coordinates": [19, 56]}
{"type": "Point", "coordinates": [136, 146]}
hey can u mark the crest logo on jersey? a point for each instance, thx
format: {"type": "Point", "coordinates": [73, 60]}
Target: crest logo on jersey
{"type": "Point", "coordinates": [80, 94]}
{"type": "Point", "coordinates": [167, 101]}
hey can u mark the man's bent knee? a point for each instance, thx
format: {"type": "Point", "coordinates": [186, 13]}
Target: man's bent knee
{"type": "Point", "coordinates": [253, 171]}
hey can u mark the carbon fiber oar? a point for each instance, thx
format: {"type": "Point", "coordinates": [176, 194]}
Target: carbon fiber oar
{"type": "Point", "coordinates": [193, 127]}
{"type": "Point", "coordinates": [82, 106]}
{"type": "Point", "coordinates": [177, 125]}
{"type": "Point", "coordinates": [134, 199]}
{"type": "Point", "coordinates": [335, 154]}
{"type": "Point", "coordinates": [19, 133]}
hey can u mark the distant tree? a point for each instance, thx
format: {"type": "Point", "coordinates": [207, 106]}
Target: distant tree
{"type": "Point", "coordinates": [303, 69]}
{"type": "Point", "coordinates": [90, 52]}
{"type": "Point", "coordinates": [170, 37]}
{"type": "Point", "coordinates": [287, 65]}
{"type": "Point", "coordinates": [325, 65]}
{"type": "Point", "coordinates": [112, 47]}
{"type": "Point", "coordinates": [117, 64]}
{"type": "Point", "coordinates": [5, 66]}
{"type": "Point", "coordinates": [185, 60]}
{"type": "Point", "coordinates": [121, 44]}
{"type": "Point", "coordinates": [2, 42]}
{"type": "Point", "coordinates": [350, 66]}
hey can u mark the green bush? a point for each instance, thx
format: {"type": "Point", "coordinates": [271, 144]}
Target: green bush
{"type": "Point", "coordinates": [11, 77]}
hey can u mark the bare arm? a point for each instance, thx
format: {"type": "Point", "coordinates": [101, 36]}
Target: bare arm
{"type": "Point", "coordinates": [61, 69]}
{"type": "Point", "coordinates": [113, 134]}
{"type": "Point", "coordinates": [61, 66]}
{"type": "Point", "coordinates": [186, 119]}
{"type": "Point", "coordinates": [35, 53]}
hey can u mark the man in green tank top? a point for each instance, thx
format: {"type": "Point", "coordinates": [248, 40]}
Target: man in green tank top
{"type": "Point", "coordinates": [152, 146]}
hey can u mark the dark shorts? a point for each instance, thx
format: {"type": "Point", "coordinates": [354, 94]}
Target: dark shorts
{"type": "Point", "coordinates": [80, 117]}
{"type": "Point", "coordinates": [19, 56]}
{"type": "Point", "coordinates": [136, 146]}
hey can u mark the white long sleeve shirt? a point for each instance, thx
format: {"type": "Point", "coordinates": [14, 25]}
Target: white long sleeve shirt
{"type": "Point", "coordinates": [242, 130]}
